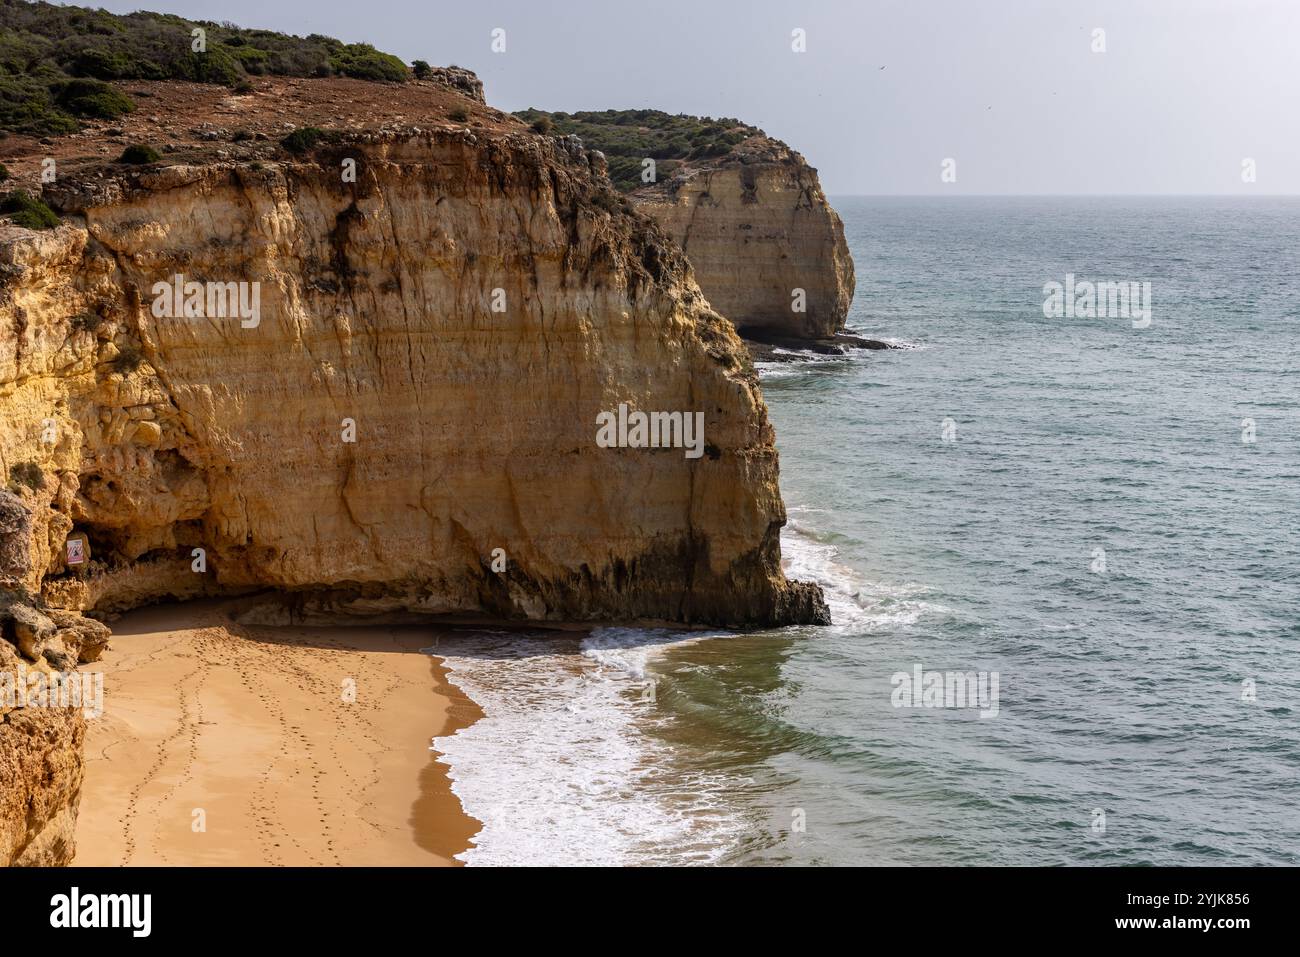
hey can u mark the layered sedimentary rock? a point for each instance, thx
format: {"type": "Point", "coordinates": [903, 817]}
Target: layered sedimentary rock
{"type": "Point", "coordinates": [41, 771]}
{"type": "Point", "coordinates": [404, 424]}
{"type": "Point", "coordinates": [767, 248]}
{"type": "Point", "coordinates": [410, 423]}
{"type": "Point", "coordinates": [40, 744]}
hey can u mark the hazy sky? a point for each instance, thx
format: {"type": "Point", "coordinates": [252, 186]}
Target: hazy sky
{"type": "Point", "coordinates": [1009, 89]}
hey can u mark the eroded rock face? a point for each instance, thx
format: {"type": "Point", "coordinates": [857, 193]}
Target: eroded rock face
{"type": "Point", "coordinates": [40, 742]}
{"type": "Point", "coordinates": [15, 540]}
{"type": "Point", "coordinates": [474, 429]}
{"type": "Point", "coordinates": [463, 81]}
{"type": "Point", "coordinates": [757, 227]}
{"type": "Point", "coordinates": [406, 427]}
{"type": "Point", "coordinates": [41, 771]}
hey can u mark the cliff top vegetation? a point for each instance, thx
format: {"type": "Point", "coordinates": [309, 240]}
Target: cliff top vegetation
{"type": "Point", "coordinates": [58, 64]}
{"type": "Point", "coordinates": [627, 137]}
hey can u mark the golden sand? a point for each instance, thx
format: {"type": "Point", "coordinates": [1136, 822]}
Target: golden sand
{"type": "Point", "coordinates": [225, 744]}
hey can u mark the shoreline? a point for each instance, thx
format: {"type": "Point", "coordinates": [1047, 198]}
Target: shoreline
{"type": "Point", "coordinates": [224, 744]}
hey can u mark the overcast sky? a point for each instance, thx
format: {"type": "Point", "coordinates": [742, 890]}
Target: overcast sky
{"type": "Point", "coordinates": [1185, 91]}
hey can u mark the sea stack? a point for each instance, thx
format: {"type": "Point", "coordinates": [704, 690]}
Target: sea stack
{"type": "Point", "coordinates": [767, 248]}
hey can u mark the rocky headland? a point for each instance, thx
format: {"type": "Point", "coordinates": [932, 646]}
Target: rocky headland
{"type": "Point", "coordinates": [344, 345]}
{"type": "Point", "coordinates": [765, 245]}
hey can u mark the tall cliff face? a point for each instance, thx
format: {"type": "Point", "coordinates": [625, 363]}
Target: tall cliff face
{"type": "Point", "coordinates": [767, 248]}
{"type": "Point", "coordinates": [381, 432]}
{"type": "Point", "coordinates": [407, 428]}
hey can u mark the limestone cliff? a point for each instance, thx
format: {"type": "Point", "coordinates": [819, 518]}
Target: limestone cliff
{"type": "Point", "coordinates": [474, 429]}
{"type": "Point", "coordinates": [41, 771]}
{"type": "Point", "coordinates": [758, 229]}
{"type": "Point", "coordinates": [406, 427]}
{"type": "Point", "coordinates": [40, 746]}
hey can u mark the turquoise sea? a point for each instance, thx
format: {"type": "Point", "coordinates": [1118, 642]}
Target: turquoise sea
{"type": "Point", "coordinates": [1106, 517]}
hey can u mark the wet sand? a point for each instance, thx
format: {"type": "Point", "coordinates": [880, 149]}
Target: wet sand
{"type": "Point", "coordinates": [224, 744]}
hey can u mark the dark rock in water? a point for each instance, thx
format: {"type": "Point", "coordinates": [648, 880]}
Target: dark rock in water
{"type": "Point", "coordinates": [768, 348]}
{"type": "Point", "coordinates": [804, 602]}
{"type": "Point", "coordinates": [857, 342]}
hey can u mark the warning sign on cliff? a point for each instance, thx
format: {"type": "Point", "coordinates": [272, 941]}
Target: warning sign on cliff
{"type": "Point", "coordinates": [78, 550]}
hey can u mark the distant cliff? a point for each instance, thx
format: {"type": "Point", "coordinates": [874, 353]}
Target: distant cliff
{"type": "Point", "coordinates": [766, 247]}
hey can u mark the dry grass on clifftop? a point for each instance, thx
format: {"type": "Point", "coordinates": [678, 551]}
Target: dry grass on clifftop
{"type": "Point", "coordinates": [191, 122]}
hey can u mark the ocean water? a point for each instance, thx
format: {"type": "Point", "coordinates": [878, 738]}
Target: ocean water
{"type": "Point", "coordinates": [1066, 502]}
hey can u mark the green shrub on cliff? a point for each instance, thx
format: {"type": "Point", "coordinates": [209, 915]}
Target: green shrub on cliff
{"type": "Point", "coordinates": [611, 202]}
{"type": "Point", "coordinates": [26, 475]}
{"type": "Point", "coordinates": [364, 62]}
{"type": "Point", "coordinates": [302, 140]}
{"type": "Point", "coordinates": [27, 106]}
{"type": "Point", "coordinates": [87, 322]}
{"type": "Point", "coordinates": [27, 211]}
{"type": "Point", "coordinates": [128, 360]}
{"type": "Point", "coordinates": [138, 154]}
{"type": "Point", "coordinates": [92, 98]}
{"type": "Point", "coordinates": [44, 47]}
{"type": "Point", "coordinates": [215, 65]}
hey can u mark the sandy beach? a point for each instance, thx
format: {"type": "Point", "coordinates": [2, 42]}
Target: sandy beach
{"type": "Point", "coordinates": [224, 744]}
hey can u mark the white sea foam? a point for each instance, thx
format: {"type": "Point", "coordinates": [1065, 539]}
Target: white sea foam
{"type": "Point", "coordinates": [565, 768]}
{"type": "Point", "coordinates": [802, 359]}
{"type": "Point", "coordinates": [854, 601]}
{"type": "Point", "coordinates": [793, 367]}
{"type": "Point", "coordinates": [566, 765]}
